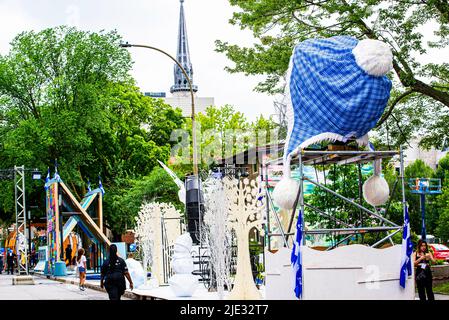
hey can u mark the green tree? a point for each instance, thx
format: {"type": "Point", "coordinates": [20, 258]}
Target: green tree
{"type": "Point", "coordinates": [267, 130]}
{"type": "Point", "coordinates": [442, 227]}
{"type": "Point", "coordinates": [442, 200]}
{"type": "Point", "coordinates": [128, 195]}
{"type": "Point", "coordinates": [344, 180]}
{"type": "Point", "coordinates": [67, 95]}
{"type": "Point", "coordinates": [224, 132]}
{"type": "Point", "coordinates": [442, 171]}
{"type": "Point", "coordinates": [418, 169]}
{"type": "Point", "coordinates": [220, 129]}
{"type": "Point", "coordinates": [420, 89]}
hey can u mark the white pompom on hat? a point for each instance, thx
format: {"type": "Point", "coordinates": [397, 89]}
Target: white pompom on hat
{"type": "Point", "coordinates": [373, 56]}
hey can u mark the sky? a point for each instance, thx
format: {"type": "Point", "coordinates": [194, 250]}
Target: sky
{"type": "Point", "coordinates": [155, 23]}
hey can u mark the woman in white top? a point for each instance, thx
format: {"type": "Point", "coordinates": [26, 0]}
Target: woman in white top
{"type": "Point", "coordinates": [81, 264]}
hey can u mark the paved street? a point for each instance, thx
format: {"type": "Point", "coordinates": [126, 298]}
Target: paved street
{"type": "Point", "coordinates": [441, 296]}
{"type": "Point", "coordinates": [45, 289]}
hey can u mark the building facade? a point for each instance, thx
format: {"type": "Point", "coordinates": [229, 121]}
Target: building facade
{"type": "Point", "coordinates": [430, 157]}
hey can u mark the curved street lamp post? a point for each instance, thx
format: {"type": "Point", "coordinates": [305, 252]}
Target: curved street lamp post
{"type": "Point", "coordinates": [195, 157]}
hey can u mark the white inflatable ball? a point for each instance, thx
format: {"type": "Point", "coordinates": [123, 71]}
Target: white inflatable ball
{"type": "Point", "coordinates": [376, 191]}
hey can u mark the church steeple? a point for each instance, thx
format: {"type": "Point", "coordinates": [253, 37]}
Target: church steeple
{"type": "Point", "coordinates": [183, 56]}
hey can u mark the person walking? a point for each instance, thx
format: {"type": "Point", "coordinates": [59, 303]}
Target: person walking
{"type": "Point", "coordinates": [81, 265]}
{"type": "Point", "coordinates": [93, 256]}
{"type": "Point", "coordinates": [10, 257]}
{"type": "Point", "coordinates": [423, 274]}
{"type": "Point", "coordinates": [113, 273]}
{"type": "Point", "coordinates": [1, 260]}
{"type": "Point", "coordinates": [68, 254]}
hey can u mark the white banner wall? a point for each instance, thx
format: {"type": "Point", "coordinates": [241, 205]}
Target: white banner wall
{"type": "Point", "coordinates": [354, 272]}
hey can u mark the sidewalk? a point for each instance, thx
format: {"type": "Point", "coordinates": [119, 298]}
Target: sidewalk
{"type": "Point", "coordinates": [95, 285]}
{"type": "Point", "coordinates": [45, 289]}
{"type": "Point", "coordinates": [91, 284]}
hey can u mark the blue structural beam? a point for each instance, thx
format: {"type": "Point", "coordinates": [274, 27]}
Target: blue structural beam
{"type": "Point", "coordinates": [85, 229]}
{"type": "Point", "coordinates": [68, 227]}
{"type": "Point", "coordinates": [423, 216]}
{"type": "Point", "coordinates": [72, 222]}
{"type": "Point", "coordinates": [425, 186]}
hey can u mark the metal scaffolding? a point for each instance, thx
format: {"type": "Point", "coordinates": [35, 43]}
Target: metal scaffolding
{"type": "Point", "coordinates": [21, 225]}
{"type": "Point", "coordinates": [317, 157]}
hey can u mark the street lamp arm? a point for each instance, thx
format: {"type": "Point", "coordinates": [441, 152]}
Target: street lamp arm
{"type": "Point", "coordinates": [195, 161]}
{"type": "Point", "coordinates": [128, 45]}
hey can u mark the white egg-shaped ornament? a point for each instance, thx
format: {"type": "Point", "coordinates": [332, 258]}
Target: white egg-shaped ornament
{"type": "Point", "coordinates": [376, 190]}
{"type": "Point", "coordinates": [285, 193]}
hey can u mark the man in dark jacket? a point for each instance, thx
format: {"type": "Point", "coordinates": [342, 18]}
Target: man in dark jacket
{"type": "Point", "coordinates": [1, 260]}
{"type": "Point", "coordinates": [10, 257]}
{"type": "Point", "coordinates": [68, 254]}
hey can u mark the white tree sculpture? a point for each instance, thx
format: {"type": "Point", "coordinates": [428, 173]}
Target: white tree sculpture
{"type": "Point", "coordinates": [216, 233]}
{"type": "Point", "coordinates": [245, 208]}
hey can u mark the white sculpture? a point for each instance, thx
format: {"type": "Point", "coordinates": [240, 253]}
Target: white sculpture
{"type": "Point", "coordinates": [149, 235]}
{"type": "Point", "coordinates": [179, 183]}
{"type": "Point", "coordinates": [136, 272]}
{"type": "Point", "coordinates": [216, 233]}
{"type": "Point", "coordinates": [183, 283]}
{"type": "Point", "coordinates": [245, 212]}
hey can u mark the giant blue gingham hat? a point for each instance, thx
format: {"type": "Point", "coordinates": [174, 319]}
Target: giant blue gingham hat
{"type": "Point", "coordinates": [336, 90]}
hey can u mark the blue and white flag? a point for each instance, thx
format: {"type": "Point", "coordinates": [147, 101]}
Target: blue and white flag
{"type": "Point", "coordinates": [57, 177]}
{"type": "Point", "coordinates": [88, 186]}
{"type": "Point", "coordinates": [296, 257]}
{"type": "Point", "coordinates": [101, 186]}
{"type": "Point", "coordinates": [407, 250]}
{"type": "Point", "coordinates": [47, 178]}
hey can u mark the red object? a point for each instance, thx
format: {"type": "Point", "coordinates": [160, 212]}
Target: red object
{"type": "Point", "coordinates": [128, 237]}
{"type": "Point", "coordinates": [441, 252]}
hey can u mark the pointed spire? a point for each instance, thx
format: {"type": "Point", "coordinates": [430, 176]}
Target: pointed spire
{"type": "Point", "coordinates": [183, 56]}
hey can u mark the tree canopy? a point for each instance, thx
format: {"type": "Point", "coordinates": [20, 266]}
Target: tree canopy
{"type": "Point", "coordinates": [224, 132]}
{"type": "Point", "coordinates": [67, 94]}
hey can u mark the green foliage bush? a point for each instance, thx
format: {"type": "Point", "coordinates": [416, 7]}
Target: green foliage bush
{"type": "Point", "coordinates": [67, 95]}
